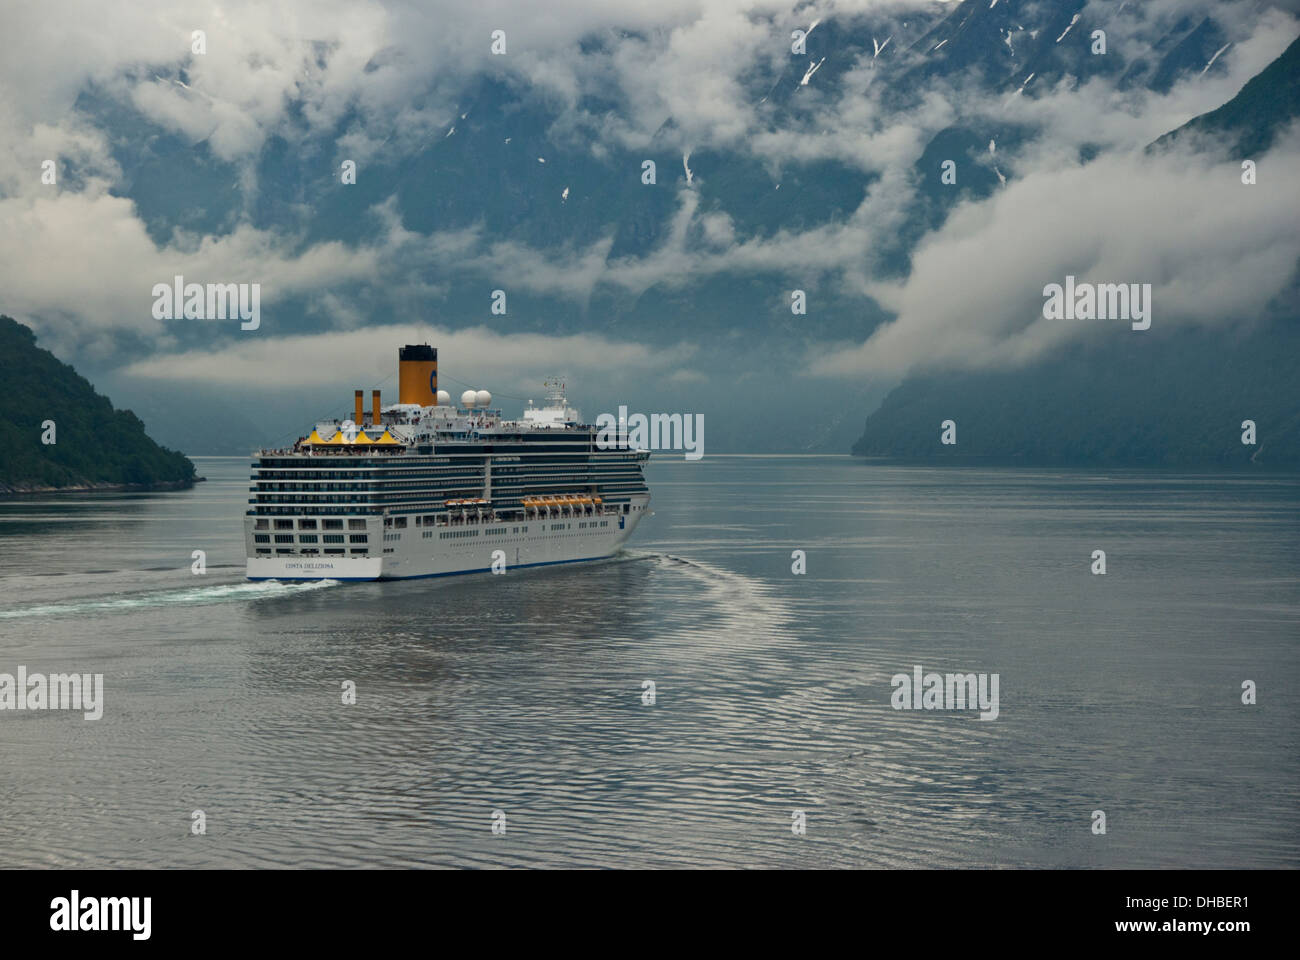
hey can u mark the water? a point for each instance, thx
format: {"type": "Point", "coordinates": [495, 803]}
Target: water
{"type": "Point", "coordinates": [523, 693]}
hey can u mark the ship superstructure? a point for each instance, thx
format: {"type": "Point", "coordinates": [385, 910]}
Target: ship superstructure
{"type": "Point", "coordinates": [426, 488]}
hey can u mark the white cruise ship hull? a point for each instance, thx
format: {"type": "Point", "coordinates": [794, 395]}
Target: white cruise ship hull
{"type": "Point", "coordinates": [423, 488]}
{"type": "Point", "coordinates": [416, 552]}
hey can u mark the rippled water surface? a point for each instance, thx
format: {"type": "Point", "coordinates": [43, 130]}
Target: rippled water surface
{"type": "Point", "coordinates": [523, 693]}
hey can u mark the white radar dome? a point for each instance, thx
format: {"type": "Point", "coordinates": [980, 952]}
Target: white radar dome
{"type": "Point", "coordinates": [444, 398]}
{"type": "Point", "coordinates": [484, 398]}
{"type": "Point", "coordinates": [468, 399]}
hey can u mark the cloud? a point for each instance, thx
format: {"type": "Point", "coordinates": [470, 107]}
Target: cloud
{"type": "Point", "coordinates": [687, 376]}
{"type": "Point", "coordinates": [1214, 250]}
{"type": "Point", "coordinates": [1098, 113]}
{"type": "Point", "coordinates": [485, 354]}
{"type": "Point", "coordinates": [86, 259]}
{"type": "Point", "coordinates": [77, 257]}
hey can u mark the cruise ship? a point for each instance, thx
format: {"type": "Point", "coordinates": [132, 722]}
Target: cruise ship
{"type": "Point", "coordinates": [427, 488]}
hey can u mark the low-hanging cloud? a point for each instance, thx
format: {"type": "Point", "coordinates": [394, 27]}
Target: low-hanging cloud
{"type": "Point", "coordinates": [491, 355]}
{"type": "Point", "coordinates": [1215, 251]}
{"type": "Point", "coordinates": [79, 260]}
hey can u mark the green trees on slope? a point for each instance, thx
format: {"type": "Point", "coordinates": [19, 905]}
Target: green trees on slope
{"type": "Point", "coordinates": [94, 442]}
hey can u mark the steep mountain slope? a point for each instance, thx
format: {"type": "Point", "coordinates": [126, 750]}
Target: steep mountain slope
{"type": "Point", "coordinates": [489, 179]}
{"type": "Point", "coordinates": [1167, 400]}
{"type": "Point", "coordinates": [1247, 125]}
{"type": "Point", "coordinates": [95, 445]}
{"type": "Point", "coordinates": [521, 170]}
{"type": "Point", "coordinates": [1176, 396]}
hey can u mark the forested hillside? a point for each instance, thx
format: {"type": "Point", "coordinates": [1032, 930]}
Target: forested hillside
{"type": "Point", "coordinates": [95, 445]}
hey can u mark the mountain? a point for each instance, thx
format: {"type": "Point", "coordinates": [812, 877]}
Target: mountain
{"type": "Point", "coordinates": [95, 446]}
{"type": "Point", "coordinates": [1176, 397]}
{"type": "Point", "coordinates": [489, 178]}
{"type": "Point", "coordinates": [1247, 125]}
{"type": "Point", "coordinates": [521, 177]}
{"type": "Point", "coordinates": [1172, 399]}
{"type": "Point", "coordinates": [197, 421]}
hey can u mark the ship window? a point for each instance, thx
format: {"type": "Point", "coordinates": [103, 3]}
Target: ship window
{"type": "Point", "coordinates": [334, 550]}
{"type": "Point", "coordinates": [284, 524]}
{"type": "Point", "coordinates": [358, 538]}
{"type": "Point", "coordinates": [399, 522]}
{"type": "Point", "coordinates": [360, 549]}
{"type": "Point", "coordinates": [306, 524]}
{"type": "Point", "coordinates": [284, 538]}
{"type": "Point", "coordinates": [261, 538]}
{"type": "Point", "coordinates": [356, 524]}
{"type": "Point", "coordinates": [263, 549]}
{"type": "Point", "coordinates": [260, 525]}
{"type": "Point", "coordinates": [333, 538]}
{"type": "Point", "coordinates": [333, 524]}
{"type": "Point", "coordinates": [307, 538]}
{"type": "Point", "coordinates": [282, 550]}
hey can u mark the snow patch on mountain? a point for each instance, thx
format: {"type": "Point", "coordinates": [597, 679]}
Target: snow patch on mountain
{"type": "Point", "coordinates": [812, 68]}
{"type": "Point", "coordinates": [1215, 57]}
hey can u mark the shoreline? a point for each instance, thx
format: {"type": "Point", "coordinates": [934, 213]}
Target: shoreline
{"type": "Point", "coordinates": [19, 489]}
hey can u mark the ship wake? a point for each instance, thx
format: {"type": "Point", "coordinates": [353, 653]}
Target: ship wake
{"type": "Point", "coordinates": [220, 593]}
{"type": "Point", "coordinates": [733, 607]}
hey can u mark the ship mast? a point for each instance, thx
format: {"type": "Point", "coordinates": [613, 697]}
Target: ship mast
{"type": "Point", "coordinates": [555, 392]}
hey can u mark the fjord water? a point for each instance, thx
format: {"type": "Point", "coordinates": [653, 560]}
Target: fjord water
{"type": "Point", "coordinates": [523, 693]}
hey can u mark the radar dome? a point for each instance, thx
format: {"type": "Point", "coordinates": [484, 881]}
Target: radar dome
{"type": "Point", "coordinates": [444, 398]}
{"type": "Point", "coordinates": [484, 398]}
{"type": "Point", "coordinates": [468, 399]}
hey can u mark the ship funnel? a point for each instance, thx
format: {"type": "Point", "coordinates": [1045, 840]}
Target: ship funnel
{"type": "Point", "coordinates": [360, 404]}
{"type": "Point", "coordinates": [376, 416]}
{"type": "Point", "coordinates": [417, 367]}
